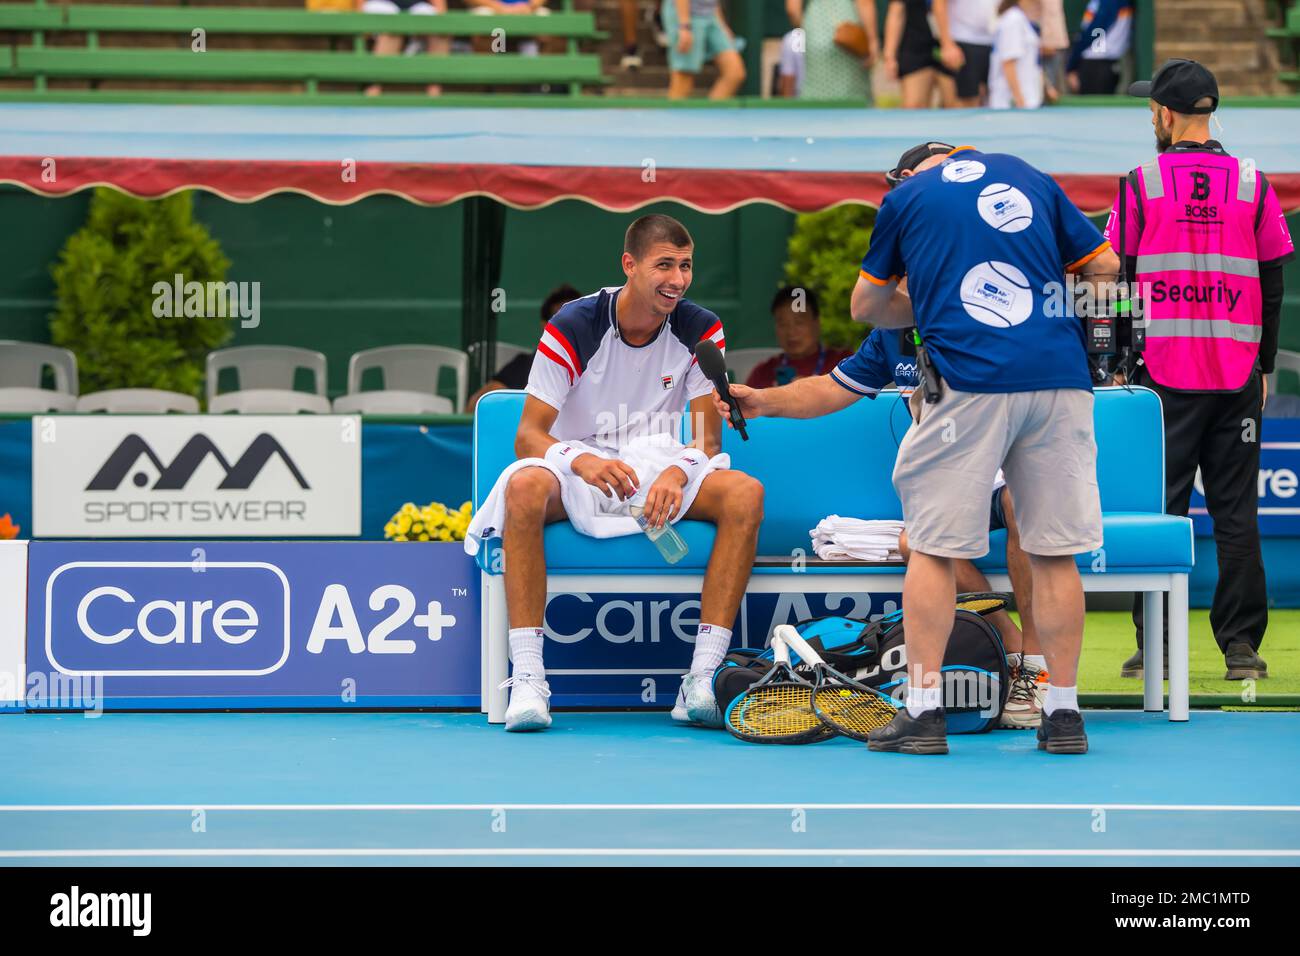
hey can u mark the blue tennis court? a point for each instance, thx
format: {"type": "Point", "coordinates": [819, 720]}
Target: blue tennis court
{"type": "Point", "coordinates": [625, 788]}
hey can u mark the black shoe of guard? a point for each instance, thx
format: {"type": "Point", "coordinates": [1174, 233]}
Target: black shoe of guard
{"type": "Point", "coordinates": [1061, 732]}
{"type": "Point", "coordinates": [1134, 666]}
{"type": "Point", "coordinates": [905, 734]}
{"type": "Point", "coordinates": [1244, 663]}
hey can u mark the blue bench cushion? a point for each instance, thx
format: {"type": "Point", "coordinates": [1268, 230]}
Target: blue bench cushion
{"type": "Point", "coordinates": [1133, 542]}
{"type": "Point", "coordinates": [843, 464]}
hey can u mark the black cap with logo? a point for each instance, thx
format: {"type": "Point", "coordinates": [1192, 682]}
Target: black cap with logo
{"type": "Point", "coordinates": [1179, 84]}
{"type": "Point", "coordinates": [913, 158]}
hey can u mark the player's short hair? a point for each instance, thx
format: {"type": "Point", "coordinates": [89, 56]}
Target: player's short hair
{"type": "Point", "coordinates": [788, 295]}
{"type": "Point", "coordinates": [556, 299]}
{"type": "Point", "coordinates": [648, 230]}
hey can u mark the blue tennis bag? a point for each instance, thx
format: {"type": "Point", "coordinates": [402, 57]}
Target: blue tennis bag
{"type": "Point", "coordinates": [975, 674]}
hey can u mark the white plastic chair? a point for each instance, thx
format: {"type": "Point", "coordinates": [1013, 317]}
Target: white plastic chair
{"type": "Point", "coordinates": [740, 362]}
{"type": "Point", "coordinates": [409, 369]}
{"type": "Point", "coordinates": [22, 371]}
{"type": "Point", "coordinates": [266, 375]}
{"type": "Point", "coordinates": [393, 402]}
{"type": "Point", "coordinates": [269, 401]}
{"type": "Point", "coordinates": [133, 401]}
{"type": "Point", "coordinates": [34, 401]}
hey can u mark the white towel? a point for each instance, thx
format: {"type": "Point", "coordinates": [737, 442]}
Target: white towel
{"type": "Point", "coordinates": [588, 509]}
{"type": "Point", "coordinates": [856, 539]}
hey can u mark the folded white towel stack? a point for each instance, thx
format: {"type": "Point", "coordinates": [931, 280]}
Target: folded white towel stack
{"type": "Point", "coordinates": [855, 539]}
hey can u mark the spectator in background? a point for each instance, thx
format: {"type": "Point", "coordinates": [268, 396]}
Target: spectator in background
{"type": "Point", "coordinates": [841, 43]}
{"type": "Point", "coordinates": [1054, 43]}
{"type": "Point", "coordinates": [528, 46]}
{"type": "Point", "coordinates": [1103, 40]}
{"type": "Point", "coordinates": [390, 44]}
{"type": "Point", "coordinates": [514, 374]}
{"type": "Point", "coordinates": [910, 58]}
{"type": "Point", "coordinates": [799, 333]}
{"type": "Point", "coordinates": [970, 25]}
{"type": "Point", "coordinates": [697, 32]}
{"type": "Point", "coordinates": [631, 54]}
{"type": "Point", "coordinates": [1015, 79]}
{"type": "Point", "coordinates": [790, 70]}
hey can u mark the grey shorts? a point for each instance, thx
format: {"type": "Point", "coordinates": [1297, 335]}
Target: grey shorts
{"type": "Point", "coordinates": [1042, 440]}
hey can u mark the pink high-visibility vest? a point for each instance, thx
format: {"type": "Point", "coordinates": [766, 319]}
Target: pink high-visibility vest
{"type": "Point", "coordinates": [1198, 211]}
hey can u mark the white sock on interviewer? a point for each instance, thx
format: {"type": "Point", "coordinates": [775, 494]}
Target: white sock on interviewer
{"type": "Point", "coordinates": [526, 651]}
{"type": "Point", "coordinates": [1060, 698]}
{"type": "Point", "coordinates": [921, 699]}
{"type": "Point", "coordinates": [711, 643]}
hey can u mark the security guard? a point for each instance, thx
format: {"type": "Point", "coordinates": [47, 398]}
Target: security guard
{"type": "Point", "coordinates": [1206, 239]}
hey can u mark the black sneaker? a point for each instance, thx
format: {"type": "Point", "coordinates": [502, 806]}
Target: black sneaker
{"type": "Point", "coordinates": [1133, 667]}
{"type": "Point", "coordinates": [905, 734]}
{"type": "Point", "coordinates": [1061, 732]}
{"type": "Point", "coordinates": [1243, 663]}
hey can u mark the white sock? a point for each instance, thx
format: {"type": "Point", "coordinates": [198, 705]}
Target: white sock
{"type": "Point", "coordinates": [1060, 698]}
{"type": "Point", "coordinates": [1037, 661]}
{"type": "Point", "coordinates": [1013, 661]}
{"type": "Point", "coordinates": [921, 699]}
{"type": "Point", "coordinates": [711, 643]}
{"type": "Point", "coordinates": [526, 651]}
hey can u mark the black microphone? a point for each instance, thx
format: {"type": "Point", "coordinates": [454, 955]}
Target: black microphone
{"type": "Point", "coordinates": [715, 370]}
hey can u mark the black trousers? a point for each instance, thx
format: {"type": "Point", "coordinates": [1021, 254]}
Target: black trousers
{"type": "Point", "coordinates": [1098, 77]}
{"type": "Point", "coordinates": [1219, 431]}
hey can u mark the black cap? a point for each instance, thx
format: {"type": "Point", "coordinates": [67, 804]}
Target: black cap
{"type": "Point", "coordinates": [1178, 84]}
{"type": "Point", "coordinates": [913, 158]}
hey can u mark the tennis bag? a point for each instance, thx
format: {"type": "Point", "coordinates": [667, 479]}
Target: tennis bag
{"type": "Point", "coordinates": [975, 674]}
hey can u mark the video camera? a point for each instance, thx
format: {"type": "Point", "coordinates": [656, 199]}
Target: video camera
{"type": "Point", "coordinates": [1114, 335]}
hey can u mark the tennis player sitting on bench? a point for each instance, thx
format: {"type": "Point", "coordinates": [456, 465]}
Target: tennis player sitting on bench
{"type": "Point", "coordinates": [615, 372]}
{"type": "Point", "coordinates": [880, 361]}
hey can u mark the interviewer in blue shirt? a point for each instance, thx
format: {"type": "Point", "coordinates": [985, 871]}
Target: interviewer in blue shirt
{"type": "Point", "coordinates": [984, 240]}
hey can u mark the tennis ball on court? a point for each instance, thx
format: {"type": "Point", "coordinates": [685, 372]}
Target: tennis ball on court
{"type": "Point", "coordinates": [997, 294]}
{"type": "Point", "coordinates": [1005, 208]}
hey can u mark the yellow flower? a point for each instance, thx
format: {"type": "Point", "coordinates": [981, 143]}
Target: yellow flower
{"type": "Point", "coordinates": [424, 537]}
{"type": "Point", "coordinates": [409, 509]}
{"type": "Point", "coordinates": [467, 507]}
{"type": "Point", "coordinates": [399, 537]}
{"type": "Point", "coordinates": [444, 535]}
{"type": "Point", "coordinates": [403, 523]}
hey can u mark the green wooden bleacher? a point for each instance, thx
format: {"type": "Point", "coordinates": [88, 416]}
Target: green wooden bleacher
{"type": "Point", "coordinates": [1288, 37]}
{"type": "Point", "coordinates": [36, 60]}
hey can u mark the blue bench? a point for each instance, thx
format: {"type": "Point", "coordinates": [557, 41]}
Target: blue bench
{"type": "Point", "coordinates": [843, 464]}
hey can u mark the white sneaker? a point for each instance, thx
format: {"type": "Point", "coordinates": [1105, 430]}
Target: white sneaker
{"type": "Point", "coordinates": [528, 708]}
{"type": "Point", "coordinates": [695, 701]}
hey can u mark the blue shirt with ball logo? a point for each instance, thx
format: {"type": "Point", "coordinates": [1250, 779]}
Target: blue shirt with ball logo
{"type": "Point", "coordinates": [985, 240]}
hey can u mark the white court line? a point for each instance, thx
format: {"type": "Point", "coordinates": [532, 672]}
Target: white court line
{"type": "Point", "coordinates": [610, 851]}
{"type": "Point", "coordinates": [583, 807]}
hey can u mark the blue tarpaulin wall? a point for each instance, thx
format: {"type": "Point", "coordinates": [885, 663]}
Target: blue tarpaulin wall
{"type": "Point", "coordinates": [399, 463]}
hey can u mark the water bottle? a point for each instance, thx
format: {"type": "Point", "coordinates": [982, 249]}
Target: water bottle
{"type": "Point", "coordinates": [666, 539]}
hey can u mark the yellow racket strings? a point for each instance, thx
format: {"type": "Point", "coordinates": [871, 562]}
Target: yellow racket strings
{"type": "Point", "coordinates": [853, 710]}
{"type": "Point", "coordinates": [775, 710]}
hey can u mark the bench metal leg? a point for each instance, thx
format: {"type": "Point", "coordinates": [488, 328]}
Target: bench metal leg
{"type": "Point", "coordinates": [1178, 648]}
{"type": "Point", "coordinates": [1153, 626]}
{"type": "Point", "coordinates": [496, 660]}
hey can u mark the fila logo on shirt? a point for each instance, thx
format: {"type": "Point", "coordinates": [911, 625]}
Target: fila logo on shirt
{"type": "Point", "coordinates": [668, 382]}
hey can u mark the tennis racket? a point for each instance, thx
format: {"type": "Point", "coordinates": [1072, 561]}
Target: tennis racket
{"type": "Point", "coordinates": [778, 708]}
{"type": "Point", "coordinates": [840, 703]}
{"type": "Point", "coordinates": [981, 603]}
